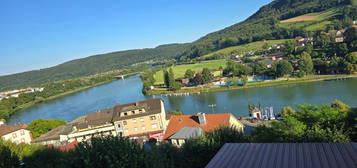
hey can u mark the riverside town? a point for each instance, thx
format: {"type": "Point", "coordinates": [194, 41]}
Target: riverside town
{"type": "Point", "coordinates": [178, 84]}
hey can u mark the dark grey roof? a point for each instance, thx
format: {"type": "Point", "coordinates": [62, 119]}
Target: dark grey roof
{"type": "Point", "coordinates": [286, 155]}
{"type": "Point", "coordinates": [187, 132]}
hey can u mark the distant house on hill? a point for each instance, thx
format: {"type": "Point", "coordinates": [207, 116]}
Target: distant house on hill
{"type": "Point", "coordinates": [183, 127]}
{"type": "Point", "coordinates": [302, 41]}
{"type": "Point", "coordinates": [17, 134]}
{"type": "Point", "coordinates": [339, 37]}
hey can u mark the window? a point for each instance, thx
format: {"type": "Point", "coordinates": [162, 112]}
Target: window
{"type": "Point", "coordinates": [124, 123]}
{"type": "Point", "coordinates": [22, 132]}
{"type": "Point", "coordinates": [134, 120]}
{"type": "Point", "coordinates": [153, 125]}
{"type": "Point", "coordinates": [142, 119]}
{"type": "Point", "coordinates": [14, 135]}
{"type": "Point", "coordinates": [125, 114]}
{"type": "Point", "coordinates": [23, 140]}
{"type": "Point", "coordinates": [152, 117]}
{"type": "Point", "coordinates": [133, 112]}
{"type": "Point", "coordinates": [140, 110]}
{"type": "Point", "coordinates": [118, 125]}
{"type": "Point", "coordinates": [135, 129]}
{"type": "Point", "coordinates": [143, 128]}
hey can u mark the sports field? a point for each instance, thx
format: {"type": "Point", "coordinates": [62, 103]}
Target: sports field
{"type": "Point", "coordinates": [180, 70]}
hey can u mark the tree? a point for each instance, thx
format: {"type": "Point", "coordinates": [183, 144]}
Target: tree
{"type": "Point", "coordinates": [260, 68]}
{"type": "Point", "coordinates": [282, 68]}
{"type": "Point", "coordinates": [305, 64]}
{"type": "Point", "coordinates": [206, 76]}
{"type": "Point", "coordinates": [7, 157]}
{"type": "Point", "coordinates": [176, 86]}
{"type": "Point", "coordinates": [287, 111]}
{"type": "Point", "coordinates": [171, 78]}
{"type": "Point", "coordinates": [289, 47]}
{"type": "Point", "coordinates": [42, 126]}
{"type": "Point", "coordinates": [352, 58]}
{"type": "Point", "coordinates": [189, 74]}
{"type": "Point", "coordinates": [176, 112]}
{"type": "Point", "coordinates": [166, 78]}
{"type": "Point", "coordinates": [244, 80]}
{"type": "Point", "coordinates": [197, 80]}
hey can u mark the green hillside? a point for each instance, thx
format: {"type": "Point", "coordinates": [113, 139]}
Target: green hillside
{"type": "Point", "coordinates": [312, 21]}
{"type": "Point", "coordinates": [90, 65]}
{"type": "Point", "coordinates": [264, 24]}
{"type": "Point", "coordinates": [254, 46]}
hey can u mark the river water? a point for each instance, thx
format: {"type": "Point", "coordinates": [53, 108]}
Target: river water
{"type": "Point", "coordinates": [233, 101]}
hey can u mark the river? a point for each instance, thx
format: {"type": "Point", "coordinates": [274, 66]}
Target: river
{"type": "Point", "coordinates": [233, 101]}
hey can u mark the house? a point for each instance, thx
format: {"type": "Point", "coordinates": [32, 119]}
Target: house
{"type": "Point", "coordinates": [17, 134]}
{"type": "Point", "coordinates": [97, 124]}
{"type": "Point", "coordinates": [283, 155]}
{"type": "Point", "coordinates": [185, 133]}
{"type": "Point", "coordinates": [339, 37]}
{"type": "Point", "coordinates": [183, 81]}
{"type": "Point", "coordinates": [256, 113]}
{"type": "Point", "coordinates": [141, 120]}
{"type": "Point", "coordinates": [219, 82]}
{"type": "Point", "coordinates": [182, 127]}
{"type": "Point", "coordinates": [301, 41]}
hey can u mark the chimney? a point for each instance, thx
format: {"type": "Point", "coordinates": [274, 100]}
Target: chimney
{"type": "Point", "coordinates": [136, 103]}
{"type": "Point", "coordinates": [202, 118]}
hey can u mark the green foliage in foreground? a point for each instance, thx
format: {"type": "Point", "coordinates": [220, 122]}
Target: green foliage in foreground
{"type": "Point", "coordinates": [311, 123]}
{"type": "Point", "coordinates": [328, 123]}
{"type": "Point", "coordinates": [42, 126]}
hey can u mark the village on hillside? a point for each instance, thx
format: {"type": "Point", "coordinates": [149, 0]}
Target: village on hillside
{"type": "Point", "coordinates": [270, 61]}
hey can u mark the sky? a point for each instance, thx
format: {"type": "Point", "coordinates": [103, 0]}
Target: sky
{"type": "Point", "coordinates": [37, 34]}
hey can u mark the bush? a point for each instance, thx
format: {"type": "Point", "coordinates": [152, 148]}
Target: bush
{"type": "Point", "coordinates": [8, 159]}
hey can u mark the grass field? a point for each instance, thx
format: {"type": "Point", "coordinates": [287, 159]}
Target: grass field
{"type": "Point", "coordinates": [354, 2]}
{"type": "Point", "coordinates": [311, 21]}
{"type": "Point", "coordinates": [180, 70]}
{"type": "Point", "coordinates": [255, 46]}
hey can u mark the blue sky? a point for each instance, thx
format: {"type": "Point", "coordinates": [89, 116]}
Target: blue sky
{"type": "Point", "coordinates": [36, 34]}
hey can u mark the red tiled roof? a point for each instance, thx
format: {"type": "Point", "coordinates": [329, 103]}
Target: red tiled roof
{"type": "Point", "coordinates": [6, 129]}
{"type": "Point", "coordinates": [68, 147]}
{"type": "Point", "coordinates": [213, 121]}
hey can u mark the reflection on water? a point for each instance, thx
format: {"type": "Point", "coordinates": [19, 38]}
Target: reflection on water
{"type": "Point", "coordinates": [233, 101]}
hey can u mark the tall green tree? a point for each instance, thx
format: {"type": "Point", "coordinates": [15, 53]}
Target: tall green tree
{"type": "Point", "coordinates": [305, 64]}
{"type": "Point", "coordinates": [189, 74]}
{"type": "Point", "coordinates": [282, 68]}
{"type": "Point", "coordinates": [206, 76]}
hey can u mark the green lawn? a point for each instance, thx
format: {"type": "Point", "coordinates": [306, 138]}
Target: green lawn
{"type": "Point", "coordinates": [255, 46]}
{"type": "Point", "coordinates": [319, 22]}
{"type": "Point", "coordinates": [180, 70]}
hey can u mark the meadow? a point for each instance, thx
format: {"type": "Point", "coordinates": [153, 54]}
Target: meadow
{"type": "Point", "coordinates": [311, 21]}
{"type": "Point", "coordinates": [179, 70]}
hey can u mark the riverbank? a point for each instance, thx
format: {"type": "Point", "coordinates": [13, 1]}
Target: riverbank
{"type": "Point", "coordinates": [30, 104]}
{"type": "Point", "coordinates": [285, 81]}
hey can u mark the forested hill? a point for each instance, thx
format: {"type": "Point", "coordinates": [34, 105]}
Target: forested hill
{"type": "Point", "coordinates": [264, 24]}
{"type": "Point", "coordinates": [90, 65]}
